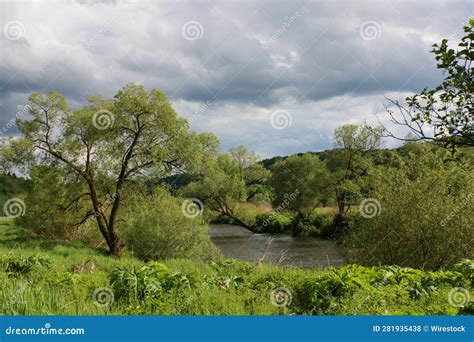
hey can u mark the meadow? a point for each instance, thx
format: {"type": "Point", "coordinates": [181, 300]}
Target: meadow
{"type": "Point", "coordinates": [39, 277]}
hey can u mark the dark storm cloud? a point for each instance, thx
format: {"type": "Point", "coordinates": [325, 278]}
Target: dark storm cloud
{"type": "Point", "coordinates": [249, 59]}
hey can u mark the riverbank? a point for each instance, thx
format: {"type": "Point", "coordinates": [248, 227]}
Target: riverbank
{"type": "Point", "coordinates": [43, 278]}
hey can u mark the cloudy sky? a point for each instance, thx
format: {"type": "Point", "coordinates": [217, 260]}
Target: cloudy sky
{"type": "Point", "coordinates": [277, 77]}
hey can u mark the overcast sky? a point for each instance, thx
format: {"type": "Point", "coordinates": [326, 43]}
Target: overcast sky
{"type": "Point", "coordinates": [277, 77]}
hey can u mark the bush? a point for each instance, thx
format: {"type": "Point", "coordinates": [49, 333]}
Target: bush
{"type": "Point", "coordinates": [272, 222]}
{"type": "Point", "coordinates": [54, 208]}
{"type": "Point", "coordinates": [421, 216]}
{"type": "Point", "coordinates": [22, 266]}
{"type": "Point", "coordinates": [157, 229]}
{"type": "Point", "coordinates": [148, 282]}
{"type": "Point", "coordinates": [246, 213]}
{"type": "Point", "coordinates": [314, 224]}
{"type": "Point", "coordinates": [344, 224]}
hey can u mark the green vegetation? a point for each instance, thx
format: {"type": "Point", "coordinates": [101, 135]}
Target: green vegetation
{"type": "Point", "coordinates": [299, 183]}
{"type": "Point", "coordinates": [101, 149]}
{"type": "Point", "coordinates": [444, 114]}
{"type": "Point", "coordinates": [230, 180]}
{"type": "Point", "coordinates": [150, 222]}
{"type": "Point", "coordinates": [424, 217]}
{"type": "Point", "coordinates": [118, 196]}
{"type": "Point", "coordinates": [42, 278]}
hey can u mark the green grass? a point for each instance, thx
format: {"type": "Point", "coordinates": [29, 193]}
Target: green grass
{"type": "Point", "coordinates": [38, 277]}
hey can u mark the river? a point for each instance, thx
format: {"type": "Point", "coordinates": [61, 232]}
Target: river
{"type": "Point", "coordinates": [282, 249]}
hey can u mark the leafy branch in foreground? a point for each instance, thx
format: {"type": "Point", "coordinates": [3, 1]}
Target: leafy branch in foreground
{"type": "Point", "coordinates": [444, 114]}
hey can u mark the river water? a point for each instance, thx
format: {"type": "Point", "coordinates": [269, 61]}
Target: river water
{"type": "Point", "coordinates": [282, 249]}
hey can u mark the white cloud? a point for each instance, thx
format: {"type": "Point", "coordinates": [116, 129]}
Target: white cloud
{"type": "Point", "coordinates": [252, 58]}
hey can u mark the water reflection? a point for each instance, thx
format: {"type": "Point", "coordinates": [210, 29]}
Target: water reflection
{"type": "Point", "coordinates": [240, 243]}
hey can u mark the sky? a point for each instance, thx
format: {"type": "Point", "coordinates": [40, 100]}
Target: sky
{"type": "Point", "coordinates": [275, 76]}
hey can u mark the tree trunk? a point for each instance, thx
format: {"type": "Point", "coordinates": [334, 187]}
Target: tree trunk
{"type": "Point", "coordinates": [340, 203]}
{"type": "Point", "coordinates": [238, 221]}
{"type": "Point", "coordinates": [107, 230]}
{"type": "Point", "coordinates": [115, 247]}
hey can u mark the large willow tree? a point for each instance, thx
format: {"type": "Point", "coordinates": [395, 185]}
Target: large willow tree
{"type": "Point", "coordinates": [109, 143]}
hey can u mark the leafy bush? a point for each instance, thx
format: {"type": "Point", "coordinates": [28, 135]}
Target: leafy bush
{"type": "Point", "coordinates": [54, 208]}
{"type": "Point", "coordinates": [156, 228]}
{"type": "Point", "coordinates": [314, 224]}
{"type": "Point", "coordinates": [466, 268]}
{"type": "Point", "coordinates": [272, 222]}
{"type": "Point", "coordinates": [422, 214]}
{"type": "Point", "coordinates": [247, 214]}
{"type": "Point", "coordinates": [23, 266]}
{"type": "Point", "coordinates": [145, 283]}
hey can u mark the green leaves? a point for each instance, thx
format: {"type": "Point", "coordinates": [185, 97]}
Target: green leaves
{"type": "Point", "coordinates": [229, 180]}
{"type": "Point", "coordinates": [448, 108]}
{"type": "Point", "coordinates": [424, 220]}
{"type": "Point", "coordinates": [109, 144]}
{"type": "Point", "coordinates": [299, 182]}
{"type": "Point", "coordinates": [22, 266]}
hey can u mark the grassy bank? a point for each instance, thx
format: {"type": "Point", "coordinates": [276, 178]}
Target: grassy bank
{"type": "Point", "coordinates": [39, 277]}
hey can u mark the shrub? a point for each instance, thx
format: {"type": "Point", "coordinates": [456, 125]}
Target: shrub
{"type": "Point", "coordinates": [421, 216]}
{"type": "Point", "coordinates": [246, 214]}
{"type": "Point", "coordinates": [466, 268]}
{"type": "Point", "coordinates": [54, 208]}
{"type": "Point", "coordinates": [140, 283]}
{"type": "Point", "coordinates": [23, 266]}
{"type": "Point", "coordinates": [157, 229]}
{"type": "Point", "coordinates": [272, 222]}
{"type": "Point", "coordinates": [314, 224]}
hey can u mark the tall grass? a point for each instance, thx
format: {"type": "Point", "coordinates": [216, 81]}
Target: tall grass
{"type": "Point", "coordinates": [43, 278]}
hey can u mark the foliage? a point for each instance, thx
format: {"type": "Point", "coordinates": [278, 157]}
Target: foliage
{"type": "Point", "coordinates": [314, 224]}
{"type": "Point", "coordinates": [252, 173]}
{"type": "Point", "coordinates": [156, 228]}
{"type": "Point", "coordinates": [147, 282]}
{"type": "Point", "coordinates": [108, 144]}
{"type": "Point", "coordinates": [299, 183]}
{"type": "Point", "coordinates": [53, 208]}
{"type": "Point", "coordinates": [273, 222]}
{"type": "Point", "coordinates": [224, 287]}
{"type": "Point", "coordinates": [22, 266]}
{"type": "Point", "coordinates": [466, 268]}
{"type": "Point", "coordinates": [228, 181]}
{"type": "Point", "coordinates": [424, 215]}
{"type": "Point", "coordinates": [444, 114]}
{"type": "Point", "coordinates": [11, 187]}
{"type": "Point", "coordinates": [221, 186]}
{"type": "Point", "coordinates": [350, 162]}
